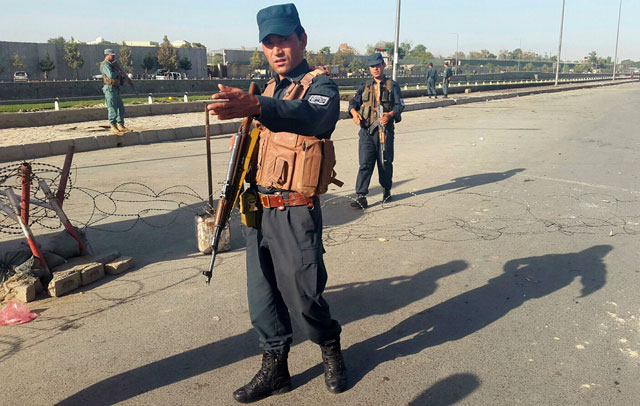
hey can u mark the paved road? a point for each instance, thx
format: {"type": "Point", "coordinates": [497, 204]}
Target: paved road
{"type": "Point", "coordinates": [504, 272]}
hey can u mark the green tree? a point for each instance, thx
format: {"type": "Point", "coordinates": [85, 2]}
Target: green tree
{"type": "Point", "coordinates": [149, 62]}
{"type": "Point", "coordinates": [126, 61]}
{"type": "Point", "coordinates": [489, 67]}
{"type": "Point", "coordinates": [338, 59]}
{"type": "Point", "coordinates": [18, 62]}
{"type": "Point", "coordinates": [167, 55]}
{"type": "Point", "coordinates": [356, 65]}
{"type": "Point", "coordinates": [257, 61]}
{"type": "Point", "coordinates": [319, 60]}
{"type": "Point", "coordinates": [185, 64]}
{"type": "Point", "coordinates": [72, 56]}
{"type": "Point", "coordinates": [325, 50]}
{"type": "Point", "coordinates": [218, 59]}
{"type": "Point", "coordinates": [592, 58]}
{"type": "Point", "coordinates": [46, 65]}
{"type": "Point", "coordinates": [529, 67]}
{"type": "Point", "coordinates": [59, 40]}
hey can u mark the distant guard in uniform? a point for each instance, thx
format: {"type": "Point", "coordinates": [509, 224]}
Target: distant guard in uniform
{"type": "Point", "coordinates": [113, 78]}
{"type": "Point", "coordinates": [446, 80]}
{"type": "Point", "coordinates": [432, 76]}
{"type": "Point", "coordinates": [364, 109]}
{"type": "Point", "coordinates": [286, 275]}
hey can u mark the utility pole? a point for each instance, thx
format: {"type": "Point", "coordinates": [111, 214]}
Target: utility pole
{"type": "Point", "coordinates": [560, 45]}
{"type": "Point", "coordinates": [457, 41]}
{"type": "Point", "coordinates": [615, 59]}
{"type": "Point", "coordinates": [397, 41]}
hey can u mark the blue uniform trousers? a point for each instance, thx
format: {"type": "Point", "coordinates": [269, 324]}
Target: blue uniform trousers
{"type": "Point", "coordinates": [286, 277]}
{"type": "Point", "coordinates": [369, 156]}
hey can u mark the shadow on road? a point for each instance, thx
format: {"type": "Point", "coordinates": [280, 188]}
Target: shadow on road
{"type": "Point", "coordinates": [358, 300]}
{"type": "Point", "coordinates": [448, 391]}
{"type": "Point", "coordinates": [463, 182]}
{"type": "Point", "coordinates": [462, 315]}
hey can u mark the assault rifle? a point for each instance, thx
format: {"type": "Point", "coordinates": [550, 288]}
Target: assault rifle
{"type": "Point", "coordinates": [116, 65]}
{"type": "Point", "coordinates": [382, 132]}
{"type": "Point", "coordinates": [242, 153]}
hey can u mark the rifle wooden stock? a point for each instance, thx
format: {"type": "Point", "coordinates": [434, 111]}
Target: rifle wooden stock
{"type": "Point", "coordinates": [382, 132]}
{"type": "Point", "coordinates": [239, 164]}
{"type": "Point", "coordinates": [116, 64]}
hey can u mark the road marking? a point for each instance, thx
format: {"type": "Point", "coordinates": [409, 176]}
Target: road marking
{"type": "Point", "coordinates": [583, 183]}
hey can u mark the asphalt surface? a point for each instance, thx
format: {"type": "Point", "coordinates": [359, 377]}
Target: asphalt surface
{"type": "Point", "coordinates": [504, 271]}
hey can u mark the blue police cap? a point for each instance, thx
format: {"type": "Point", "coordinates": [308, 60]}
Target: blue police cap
{"type": "Point", "coordinates": [109, 51]}
{"type": "Point", "coordinates": [281, 19]}
{"type": "Point", "coordinates": [375, 59]}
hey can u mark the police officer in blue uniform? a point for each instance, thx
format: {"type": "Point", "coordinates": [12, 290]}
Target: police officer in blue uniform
{"type": "Point", "coordinates": [363, 108]}
{"type": "Point", "coordinates": [286, 275]}
{"type": "Point", "coordinates": [432, 76]}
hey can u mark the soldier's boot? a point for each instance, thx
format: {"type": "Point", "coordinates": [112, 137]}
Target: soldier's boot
{"type": "Point", "coordinates": [114, 130]}
{"type": "Point", "coordinates": [272, 379]}
{"type": "Point", "coordinates": [386, 196]}
{"type": "Point", "coordinates": [123, 129]}
{"type": "Point", "coordinates": [360, 202]}
{"type": "Point", "coordinates": [335, 372]}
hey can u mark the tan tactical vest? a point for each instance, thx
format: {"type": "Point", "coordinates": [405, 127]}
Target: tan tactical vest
{"type": "Point", "coordinates": [108, 81]}
{"type": "Point", "coordinates": [291, 161]}
{"type": "Point", "coordinates": [371, 99]}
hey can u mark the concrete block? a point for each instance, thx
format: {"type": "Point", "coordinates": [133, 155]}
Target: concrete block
{"type": "Point", "coordinates": [25, 293]}
{"type": "Point", "coordinates": [37, 150]}
{"type": "Point", "coordinates": [107, 141]}
{"type": "Point", "coordinates": [197, 131]}
{"type": "Point", "coordinates": [59, 147]}
{"type": "Point", "coordinates": [230, 127]}
{"type": "Point", "coordinates": [129, 139]}
{"type": "Point", "coordinates": [105, 258]}
{"type": "Point", "coordinates": [119, 266]}
{"type": "Point", "coordinates": [85, 144]}
{"type": "Point", "coordinates": [167, 134]}
{"type": "Point", "coordinates": [64, 282]}
{"type": "Point", "coordinates": [12, 153]}
{"type": "Point", "coordinates": [148, 136]}
{"type": "Point", "coordinates": [91, 273]}
{"type": "Point", "coordinates": [183, 133]}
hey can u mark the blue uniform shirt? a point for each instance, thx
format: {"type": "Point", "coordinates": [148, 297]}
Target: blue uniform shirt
{"type": "Point", "coordinates": [314, 115]}
{"type": "Point", "coordinates": [396, 100]}
{"type": "Point", "coordinates": [107, 70]}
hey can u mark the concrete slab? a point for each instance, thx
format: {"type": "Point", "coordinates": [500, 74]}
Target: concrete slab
{"type": "Point", "coordinates": [86, 144]}
{"type": "Point", "coordinates": [12, 153]}
{"type": "Point", "coordinates": [148, 136]}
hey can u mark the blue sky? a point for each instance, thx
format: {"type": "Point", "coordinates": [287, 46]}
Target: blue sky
{"type": "Point", "coordinates": [491, 24]}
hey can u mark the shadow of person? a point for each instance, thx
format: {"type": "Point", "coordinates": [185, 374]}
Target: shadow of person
{"type": "Point", "coordinates": [463, 183]}
{"type": "Point", "coordinates": [377, 297]}
{"type": "Point", "coordinates": [448, 391]}
{"type": "Point", "coordinates": [369, 298]}
{"type": "Point", "coordinates": [462, 315]}
{"type": "Point", "coordinates": [126, 385]}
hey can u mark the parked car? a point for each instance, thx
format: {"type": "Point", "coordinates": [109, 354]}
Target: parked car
{"type": "Point", "coordinates": [168, 75]}
{"type": "Point", "coordinates": [20, 76]}
{"type": "Point", "coordinates": [96, 77]}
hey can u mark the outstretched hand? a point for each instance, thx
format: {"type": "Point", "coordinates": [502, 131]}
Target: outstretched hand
{"type": "Point", "coordinates": [238, 104]}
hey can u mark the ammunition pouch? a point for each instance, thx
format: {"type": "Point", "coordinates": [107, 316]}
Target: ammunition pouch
{"type": "Point", "coordinates": [250, 209]}
{"type": "Point", "coordinates": [368, 109]}
{"type": "Point", "coordinates": [289, 161]}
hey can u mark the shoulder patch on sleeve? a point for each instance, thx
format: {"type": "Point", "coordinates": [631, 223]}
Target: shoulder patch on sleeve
{"type": "Point", "coordinates": [319, 100]}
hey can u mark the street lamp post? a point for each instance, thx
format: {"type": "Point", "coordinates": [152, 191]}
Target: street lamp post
{"type": "Point", "coordinates": [397, 41]}
{"type": "Point", "coordinates": [457, 41]}
{"type": "Point", "coordinates": [615, 58]}
{"type": "Point", "coordinates": [560, 45]}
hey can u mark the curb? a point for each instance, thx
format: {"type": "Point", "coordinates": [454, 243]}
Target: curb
{"type": "Point", "coordinates": [22, 152]}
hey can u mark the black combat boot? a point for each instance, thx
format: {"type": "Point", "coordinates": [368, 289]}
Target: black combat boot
{"type": "Point", "coordinates": [386, 196]}
{"type": "Point", "coordinates": [272, 379]}
{"type": "Point", "coordinates": [360, 202]}
{"type": "Point", "coordinates": [335, 373]}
